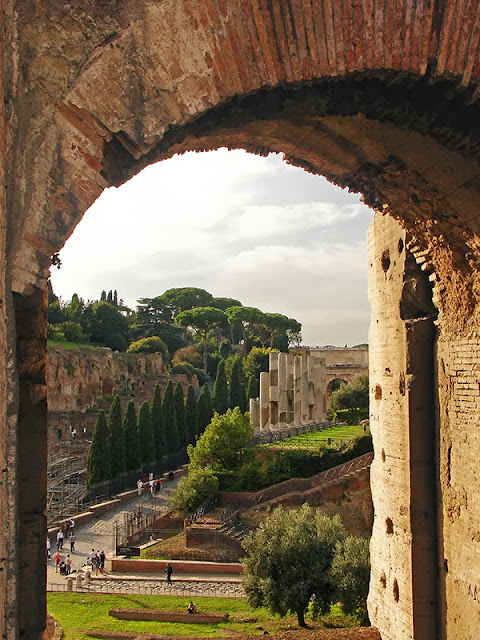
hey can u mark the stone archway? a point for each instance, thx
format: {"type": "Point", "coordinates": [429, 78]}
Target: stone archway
{"type": "Point", "coordinates": [376, 96]}
{"type": "Point", "coordinates": [334, 383]}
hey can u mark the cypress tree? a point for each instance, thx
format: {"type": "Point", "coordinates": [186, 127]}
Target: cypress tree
{"type": "Point", "coordinates": [170, 419]}
{"type": "Point", "coordinates": [115, 434]}
{"type": "Point", "coordinates": [205, 409]}
{"type": "Point", "coordinates": [253, 390]}
{"type": "Point", "coordinates": [180, 414]}
{"type": "Point", "coordinates": [156, 416]}
{"type": "Point", "coordinates": [220, 390]}
{"type": "Point", "coordinates": [191, 415]}
{"type": "Point", "coordinates": [145, 434]}
{"type": "Point", "coordinates": [130, 438]}
{"type": "Point", "coordinates": [98, 462]}
{"type": "Point", "coordinates": [236, 391]}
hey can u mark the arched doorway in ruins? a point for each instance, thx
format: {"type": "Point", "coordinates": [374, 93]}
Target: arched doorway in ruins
{"type": "Point", "coordinates": [378, 97]}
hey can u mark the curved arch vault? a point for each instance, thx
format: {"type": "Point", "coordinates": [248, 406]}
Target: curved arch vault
{"type": "Point", "coordinates": [377, 96]}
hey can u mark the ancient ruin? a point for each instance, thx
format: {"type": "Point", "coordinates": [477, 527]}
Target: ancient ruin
{"type": "Point", "coordinates": [379, 97]}
{"type": "Point", "coordinates": [294, 390]}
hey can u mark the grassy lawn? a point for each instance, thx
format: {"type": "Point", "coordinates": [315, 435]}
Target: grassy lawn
{"type": "Point", "coordinates": [79, 612]}
{"type": "Point", "coordinates": [313, 440]}
{"type": "Point", "coordinates": [70, 345]}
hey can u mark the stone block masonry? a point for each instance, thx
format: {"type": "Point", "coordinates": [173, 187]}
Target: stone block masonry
{"type": "Point", "coordinates": [294, 390]}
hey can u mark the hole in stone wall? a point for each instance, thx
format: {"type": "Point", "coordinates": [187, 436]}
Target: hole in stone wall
{"type": "Point", "coordinates": [385, 260]}
{"type": "Point", "coordinates": [400, 245]}
{"type": "Point", "coordinates": [396, 591]}
{"type": "Point", "coordinates": [389, 526]}
{"type": "Point", "coordinates": [383, 579]}
{"type": "Point", "coordinates": [445, 565]}
{"type": "Point", "coordinates": [401, 384]}
{"type": "Point", "coordinates": [378, 392]}
{"type": "Point", "coordinates": [383, 455]}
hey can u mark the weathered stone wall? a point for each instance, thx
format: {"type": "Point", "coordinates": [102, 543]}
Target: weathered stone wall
{"type": "Point", "coordinates": [81, 381]}
{"type": "Point", "coordinates": [403, 596]}
{"type": "Point", "coordinates": [78, 378]}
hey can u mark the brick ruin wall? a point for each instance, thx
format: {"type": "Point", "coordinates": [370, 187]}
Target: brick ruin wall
{"type": "Point", "coordinates": [81, 381]}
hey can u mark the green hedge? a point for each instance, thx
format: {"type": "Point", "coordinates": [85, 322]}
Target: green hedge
{"type": "Point", "coordinates": [264, 467]}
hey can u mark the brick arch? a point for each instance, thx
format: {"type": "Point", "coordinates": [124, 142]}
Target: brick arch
{"type": "Point", "coordinates": [182, 75]}
{"type": "Point", "coordinates": [377, 96]}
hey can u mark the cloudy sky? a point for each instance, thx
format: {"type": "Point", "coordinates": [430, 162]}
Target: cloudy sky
{"type": "Point", "coordinates": [237, 225]}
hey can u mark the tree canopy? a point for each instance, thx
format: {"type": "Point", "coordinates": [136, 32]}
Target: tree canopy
{"type": "Point", "coordinates": [185, 318]}
{"type": "Point", "coordinates": [223, 444]}
{"type": "Point", "coordinates": [353, 395]}
{"type": "Point", "coordinates": [289, 561]}
{"type": "Point", "coordinates": [202, 320]}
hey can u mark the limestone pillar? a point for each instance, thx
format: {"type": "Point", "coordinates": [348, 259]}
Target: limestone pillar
{"type": "Point", "coordinates": [319, 377]}
{"type": "Point", "coordinates": [290, 389]}
{"type": "Point", "coordinates": [254, 408]}
{"type": "Point", "coordinates": [282, 390]}
{"type": "Point", "coordinates": [297, 390]}
{"type": "Point", "coordinates": [402, 601]}
{"type": "Point", "coordinates": [264, 400]}
{"type": "Point", "coordinates": [304, 369]}
{"type": "Point", "coordinates": [274, 389]}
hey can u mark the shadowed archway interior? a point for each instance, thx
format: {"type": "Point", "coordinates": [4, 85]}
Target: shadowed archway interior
{"type": "Point", "coordinates": [378, 97]}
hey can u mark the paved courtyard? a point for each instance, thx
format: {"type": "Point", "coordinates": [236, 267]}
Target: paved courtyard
{"type": "Point", "coordinates": [99, 534]}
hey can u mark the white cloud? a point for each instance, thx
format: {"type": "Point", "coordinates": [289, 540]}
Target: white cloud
{"type": "Point", "coordinates": [237, 225]}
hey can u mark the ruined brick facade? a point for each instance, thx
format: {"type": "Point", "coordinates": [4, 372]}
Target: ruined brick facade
{"type": "Point", "coordinates": [378, 96]}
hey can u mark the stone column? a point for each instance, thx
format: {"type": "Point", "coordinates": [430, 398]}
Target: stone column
{"type": "Point", "coordinates": [297, 389]}
{"type": "Point", "coordinates": [290, 389]}
{"type": "Point", "coordinates": [254, 408]}
{"type": "Point", "coordinates": [264, 400]}
{"type": "Point", "coordinates": [319, 376]}
{"type": "Point", "coordinates": [274, 389]}
{"type": "Point", "coordinates": [31, 464]}
{"type": "Point", "coordinates": [304, 368]}
{"type": "Point", "coordinates": [402, 602]}
{"type": "Point", "coordinates": [282, 390]}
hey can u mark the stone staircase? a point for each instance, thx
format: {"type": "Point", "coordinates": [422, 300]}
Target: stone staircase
{"type": "Point", "coordinates": [225, 524]}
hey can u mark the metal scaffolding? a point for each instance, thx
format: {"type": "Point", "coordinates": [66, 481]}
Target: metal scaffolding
{"type": "Point", "coordinates": [66, 486]}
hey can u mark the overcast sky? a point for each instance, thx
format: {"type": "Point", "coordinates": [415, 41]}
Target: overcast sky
{"type": "Point", "coordinates": [237, 225]}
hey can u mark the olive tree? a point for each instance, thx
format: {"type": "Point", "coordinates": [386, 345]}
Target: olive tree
{"type": "Point", "coordinates": [289, 561]}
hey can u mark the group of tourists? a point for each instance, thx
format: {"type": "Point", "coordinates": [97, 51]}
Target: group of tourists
{"type": "Point", "coordinates": [96, 559]}
{"type": "Point", "coordinates": [154, 487]}
{"type": "Point", "coordinates": [66, 532]}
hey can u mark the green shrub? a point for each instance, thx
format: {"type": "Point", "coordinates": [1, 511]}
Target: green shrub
{"type": "Point", "coordinates": [193, 490]}
{"type": "Point", "coordinates": [350, 573]}
{"type": "Point", "coordinates": [153, 344]}
{"type": "Point", "coordinates": [184, 368]}
{"type": "Point", "coordinates": [54, 332]}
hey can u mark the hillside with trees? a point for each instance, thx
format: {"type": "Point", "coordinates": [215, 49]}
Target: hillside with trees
{"type": "Point", "coordinates": [192, 329]}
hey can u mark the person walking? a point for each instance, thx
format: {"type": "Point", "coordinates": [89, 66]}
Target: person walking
{"type": "Point", "coordinates": [68, 564]}
{"type": "Point", "coordinates": [59, 539]}
{"type": "Point", "coordinates": [150, 492]}
{"type": "Point", "coordinates": [139, 486]}
{"type": "Point", "coordinates": [102, 561]}
{"type": "Point", "coordinates": [91, 557]}
{"type": "Point", "coordinates": [57, 557]}
{"type": "Point", "coordinates": [49, 555]}
{"type": "Point", "coordinates": [72, 541]}
{"type": "Point", "coordinates": [168, 573]}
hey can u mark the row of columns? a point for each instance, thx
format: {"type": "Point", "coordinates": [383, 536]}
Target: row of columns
{"type": "Point", "coordinates": [292, 392]}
